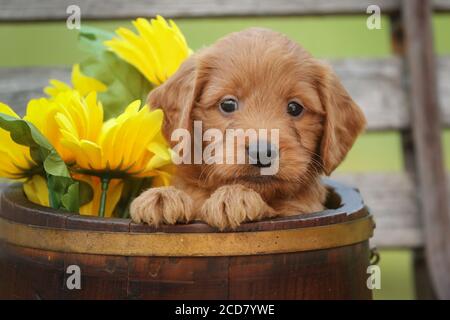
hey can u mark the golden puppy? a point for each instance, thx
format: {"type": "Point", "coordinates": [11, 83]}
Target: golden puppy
{"type": "Point", "coordinates": [253, 79]}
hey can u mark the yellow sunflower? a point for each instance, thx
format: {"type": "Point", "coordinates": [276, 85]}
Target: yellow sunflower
{"type": "Point", "coordinates": [15, 159]}
{"type": "Point", "coordinates": [16, 163]}
{"type": "Point", "coordinates": [99, 153]}
{"type": "Point", "coordinates": [157, 50]}
{"type": "Point", "coordinates": [81, 83]}
{"type": "Point", "coordinates": [129, 145]}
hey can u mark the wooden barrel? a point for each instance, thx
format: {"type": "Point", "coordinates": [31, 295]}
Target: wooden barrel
{"type": "Point", "coordinates": [323, 255]}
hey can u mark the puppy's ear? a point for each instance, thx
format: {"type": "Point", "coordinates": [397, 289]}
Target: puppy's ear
{"type": "Point", "coordinates": [177, 96]}
{"type": "Point", "coordinates": [344, 120]}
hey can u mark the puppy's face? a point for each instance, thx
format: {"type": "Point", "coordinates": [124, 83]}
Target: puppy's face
{"type": "Point", "coordinates": [258, 79]}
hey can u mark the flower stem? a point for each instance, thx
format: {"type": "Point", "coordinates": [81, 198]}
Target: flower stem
{"type": "Point", "coordinates": [102, 208]}
{"type": "Point", "coordinates": [51, 194]}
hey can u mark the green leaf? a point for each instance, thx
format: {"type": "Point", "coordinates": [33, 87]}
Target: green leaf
{"type": "Point", "coordinates": [86, 192]}
{"type": "Point", "coordinates": [54, 165]}
{"type": "Point", "coordinates": [63, 190]}
{"type": "Point", "coordinates": [125, 83]}
{"type": "Point", "coordinates": [91, 39]}
{"type": "Point", "coordinates": [71, 199]}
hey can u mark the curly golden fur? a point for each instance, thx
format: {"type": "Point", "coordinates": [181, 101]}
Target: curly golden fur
{"type": "Point", "coordinates": [264, 70]}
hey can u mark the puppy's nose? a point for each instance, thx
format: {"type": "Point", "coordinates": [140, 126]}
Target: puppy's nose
{"type": "Point", "coordinates": [261, 153]}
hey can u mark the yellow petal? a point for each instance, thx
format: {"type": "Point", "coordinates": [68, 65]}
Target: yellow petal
{"type": "Point", "coordinates": [66, 124]}
{"type": "Point", "coordinates": [156, 51]}
{"type": "Point", "coordinates": [71, 143]}
{"type": "Point", "coordinates": [85, 84]}
{"type": "Point", "coordinates": [133, 56]}
{"type": "Point", "coordinates": [56, 87]}
{"type": "Point", "coordinates": [92, 152]}
{"type": "Point", "coordinates": [95, 116]}
{"type": "Point", "coordinates": [160, 150]}
{"type": "Point", "coordinates": [157, 162]}
{"type": "Point", "coordinates": [7, 110]}
{"type": "Point", "coordinates": [150, 126]}
{"type": "Point", "coordinates": [36, 190]}
{"type": "Point", "coordinates": [107, 144]}
{"type": "Point", "coordinates": [8, 169]}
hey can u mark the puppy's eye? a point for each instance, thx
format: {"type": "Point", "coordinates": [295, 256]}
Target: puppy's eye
{"type": "Point", "coordinates": [295, 109]}
{"type": "Point", "coordinates": [228, 105]}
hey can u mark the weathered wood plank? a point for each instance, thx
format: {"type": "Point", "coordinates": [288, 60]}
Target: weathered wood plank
{"type": "Point", "coordinates": [441, 5]}
{"type": "Point", "coordinates": [34, 10]}
{"type": "Point", "coordinates": [423, 285]}
{"type": "Point", "coordinates": [26, 10]}
{"type": "Point", "coordinates": [19, 85]}
{"type": "Point", "coordinates": [391, 198]}
{"type": "Point", "coordinates": [375, 84]}
{"type": "Point", "coordinates": [426, 134]}
{"type": "Point", "coordinates": [443, 79]}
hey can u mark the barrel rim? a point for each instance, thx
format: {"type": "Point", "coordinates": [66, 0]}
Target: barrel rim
{"type": "Point", "coordinates": [187, 244]}
{"type": "Point", "coordinates": [16, 208]}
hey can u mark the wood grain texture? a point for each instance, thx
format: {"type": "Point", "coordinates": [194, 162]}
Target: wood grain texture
{"type": "Point", "coordinates": [423, 285]}
{"type": "Point", "coordinates": [178, 278]}
{"type": "Point", "coordinates": [251, 277]}
{"type": "Point", "coordinates": [426, 136]}
{"type": "Point", "coordinates": [28, 271]}
{"type": "Point", "coordinates": [26, 10]}
{"type": "Point", "coordinates": [375, 84]}
{"type": "Point", "coordinates": [338, 273]}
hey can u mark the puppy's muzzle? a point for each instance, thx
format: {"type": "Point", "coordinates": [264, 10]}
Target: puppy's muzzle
{"type": "Point", "coordinates": [262, 153]}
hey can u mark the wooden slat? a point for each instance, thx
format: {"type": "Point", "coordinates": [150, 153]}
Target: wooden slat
{"type": "Point", "coordinates": [443, 78]}
{"type": "Point", "coordinates": [34, 10]}
{"type": "Point", "coordinates": [26, 10]}
{"type": "Point", "coordinates": [19, 85]}
{"type": "Point", "coordinates": [423, 285]}
{"type": "Point", "coordinates": [375, 84]}
{"type": "Point", "coordinates": [426, 134]}
{"type": "Point", "coordinates": [441, 5]}
{"type": "Point", "coordinates": [391, 198]}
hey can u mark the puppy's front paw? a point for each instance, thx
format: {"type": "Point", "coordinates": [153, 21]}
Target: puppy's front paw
{"type": "Point", "coordinates": [231, 205]}
{"type": "Point", "coordinates": [166, 205]}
